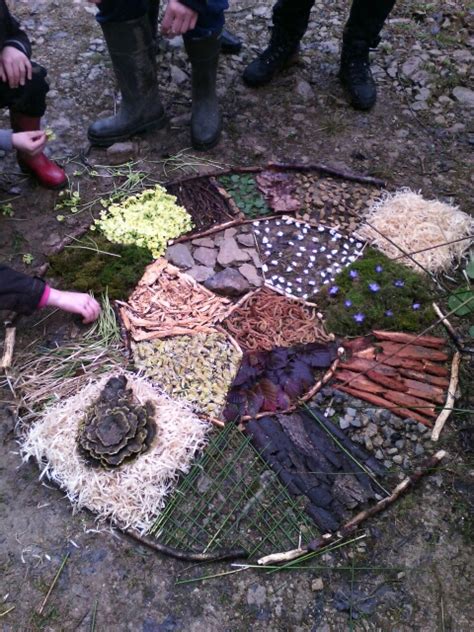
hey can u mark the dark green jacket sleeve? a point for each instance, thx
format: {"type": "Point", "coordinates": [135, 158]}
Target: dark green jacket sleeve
{"type": "Point", "coordinates": [19, 292]}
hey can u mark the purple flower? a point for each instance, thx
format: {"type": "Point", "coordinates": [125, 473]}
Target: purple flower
{"type": "Point", "coordinates": [353, 274]}
{"type": "Point", "coordinates": [378, 269]}
{"type": "Point", "coordinates": [389, 313]}
{"type": "Point", "coordinates": [333, 290]}
{"type": "Point", "coordinates": [348, 302]}
{"type": "Point", "coordinates": [399, 283]}
{"type": "Point", "coordinates": [374, 287]}
{"type": "Point", "coordinates": [416, 306]}
{"type": "Point", "coordinates": [359, 317]}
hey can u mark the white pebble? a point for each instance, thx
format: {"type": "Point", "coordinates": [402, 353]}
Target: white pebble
{"type": "Point", "coordinates": [289, 284]}
{"type": "Point", "coordinates": [326, 282]}
{"type": "Point", "coordinates": [305, 271]}
{"type": "Point", "coordinates": [265, 240]}
{"type": "Point", "coordinates": [281, 279]}
{"type": "Point", "coordinates": [335, 251]}
{"type": "Point", "coordinates": [303, 249]}
{"type": "Point", "coordinates": [265, 267]}
{"type": "Point", "coordinates": [312, 257]}
{"type": "Point", "coordinates": [322, 273]}
{"type": "Point", "coordinates": [291, 243]}
{"type": "Point", "coordinates": [299, 237]}
{"type": "Point", "coordinates": [266, 229]}
{"type": "Point", "coordinates": [279, 233]}
{"type": "Point", "coordinates": [322, 249]}
{"type": "Point", "coordinates": [289, 269]}
{"type": "Point", "coordinates": [359, 245]}
{"type": "Point", "coordinates": [321, 229]}
{"type": "Point", "coordinates": [298, 254]}
{"type": "Point", "coordinates": [298, 279]}
{"type": "Point", "coordinates": [311, 282]}
{"type": "Point", "coordinates": [274, 262]}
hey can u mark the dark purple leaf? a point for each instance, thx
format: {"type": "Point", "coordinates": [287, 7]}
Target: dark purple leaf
{"type": "Point", "coordinates": [283, 401]}
{"type": "Point", "coordinates": [277, 359]}
{"type": "Point", "coordinates": [255, 400]}
{"type": "Point", "coordinates": [300, 372]}
{"type": "Point", "coordinates": [292, 388]}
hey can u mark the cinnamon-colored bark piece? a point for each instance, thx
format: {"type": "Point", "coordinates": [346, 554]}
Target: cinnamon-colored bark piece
{"type": "Point", "coordinates": [362, 364]}
{"type": "Point", "coordinates": [358, 344]}
{"type": "Point", "coordinates": [427, 391]}
{"type": "Point", "coordinates": [386, 380]}
{"type": "Point", "coordinates": [435, 369]}
{"type": "Point", "coordinates": [398, 361]}
{"type": "Point", "coordinates": [414, 352]}
{"type": "Point", "coordinates": [383, 403]}
{"type": "Point", "coordinates": [395, 336]}
{"type": "Point", "coordinates": [406, 400]}
{"type": "Point", "coordinates": [357, 380]}
{"type": "Point", "coordinates": [442, 382]}
{"type": "Point", "coordinates": [368, 354]}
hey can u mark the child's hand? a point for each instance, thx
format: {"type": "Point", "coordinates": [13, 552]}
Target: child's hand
{"type": "Point", "coordinates": [31, 143]}
{"type": "Point", "coordinates": [15, 67]}
{"type": "Point", "coordinates": [178, 19]}
{"type": "Point", "coordinates": [76, 303]}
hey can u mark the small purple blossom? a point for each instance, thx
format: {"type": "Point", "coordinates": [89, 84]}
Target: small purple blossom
{"type": "Point", "coordinates": [353, 274]}
{"type": "Point", "coordinates": [374, 287]}
{"type": "Point", "coordinates": [389, 313]}
{"type": "Point", "coordinates": [378, 269]}
{"type": "Point", "coordinates": [333, 290]}
{"type": "Point", "coordinates": [416, 306]}
{"type": "Point", "coordinates": [359, 317]}
{"type": "Point", "coordinates": [399, 283]}
{"type": "Point", "coordinates": [348, 302]}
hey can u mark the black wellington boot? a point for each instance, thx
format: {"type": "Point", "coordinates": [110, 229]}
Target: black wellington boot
{"type": "Point", "coordinates": [206, 121]}
{"type": "Point", "coordinates": [131, 50]}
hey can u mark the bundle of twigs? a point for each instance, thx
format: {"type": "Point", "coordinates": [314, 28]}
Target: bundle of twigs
{"type": "Point", "coordinates": [404, 373]}
{"type": "Point", "coordinates": [167, 302]}
{"type": "Point", "coordinates": [265, 320]}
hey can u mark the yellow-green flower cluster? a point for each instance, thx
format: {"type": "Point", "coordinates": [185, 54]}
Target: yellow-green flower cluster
{"type": "Point", "coordinates": [149, 220]}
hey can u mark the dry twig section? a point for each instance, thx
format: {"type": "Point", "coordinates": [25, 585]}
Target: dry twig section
{"type": "Point", "coordinates": [452, 388]}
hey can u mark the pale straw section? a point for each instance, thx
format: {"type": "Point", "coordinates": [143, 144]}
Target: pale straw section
{"type": "Point", "coordinates": [414, 223]}
{"type": "Point", "coordinates": [133, 494]}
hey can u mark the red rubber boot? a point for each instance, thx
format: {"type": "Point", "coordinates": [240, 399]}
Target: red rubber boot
{"type": "Point", "coordinates": [44, 170]}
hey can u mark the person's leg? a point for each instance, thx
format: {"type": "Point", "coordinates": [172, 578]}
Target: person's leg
{"type": "Point", "coordinates": [27, 105]}
{"type": "Point", "coordinates": [361, 33]}
{"type": "Point", "coordinates": [290, 21]}
{"type": "Point", "coordinates": [129, 38]}
{"type": "Point", "coordinates": [203, 45]}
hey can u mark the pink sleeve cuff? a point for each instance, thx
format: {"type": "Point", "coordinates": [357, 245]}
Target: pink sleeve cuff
{"type": "Point", "coordinates": [44, 297]}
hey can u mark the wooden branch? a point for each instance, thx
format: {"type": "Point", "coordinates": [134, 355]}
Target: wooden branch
{"type": "Point", "coordinates": [425, 341]}
{"type": "Point", "coordinates": [9, 346]}
{"type": "Point", "coordinates": [190, 556]}
{"type": "Point", "coordinates": [347, 529]}
{"type": "Point", "coordinates": [452, 388]}
{"type": "Point", "coordinates": [281, 166]}
{"type": "Point", "coordinates": [224, 226]}
{"type": "Point", "coordinates": [449, 328]}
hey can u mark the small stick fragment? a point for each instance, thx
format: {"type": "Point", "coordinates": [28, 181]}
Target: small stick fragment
{"type": "Point", "coordinates": [56, 577]}
{"type": "Point", "coordinates": [442, 382]}
{"type": "Point", "coordinates": [9, 346]}
{"type": "Point", "coordinates": [453, 385]}
{"type": "Point", "coordinates": [386, 380]}
{"type": "Point", "coordinates": [3, 614]}
{"type": "Point", "coordinates": [449, 328]}
{"type": "Point", "coordinates": [349, 528]}
{"type": "Point", "coordinates": [415, 352]}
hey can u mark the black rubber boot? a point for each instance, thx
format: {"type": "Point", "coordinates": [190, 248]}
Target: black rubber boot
{"type": "Point", "coordinates": [356, 76]}
{"type": "Point", "coordinates": [206, 121]}
{"type": "Point", "coordinates": [131, 50]}
{"type": "Point", "coordinates": [281, 52]}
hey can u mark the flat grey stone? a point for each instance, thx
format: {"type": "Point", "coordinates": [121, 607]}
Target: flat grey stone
{"type": "Point", "coordinates": [180, 256]}
{"type": "Point", "coordinates": [206, 256]}
{"type": "Point", "coordinates": [465, 96]}
{"type": "Point", "coordinates": [118, 153]}
{"type": "Point", "coordinates": [200, 273]}
{"type": "Point", "coordinates": [228, 282]}
{"type": "Point", "coordinates": [230, 253]}
{"type": "Point", "coordinates": [246, 239]}
{"type": "Point", "coordinates": [178, 76]}
{"type": "Point", "coordinates": [343, 423]}
{"type": "Point", "coordinates": [205, 242]}
{"type": "Point", "coordinates": [250, 273]}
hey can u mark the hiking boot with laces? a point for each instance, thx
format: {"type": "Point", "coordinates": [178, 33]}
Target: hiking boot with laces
{"type": "Point", "coordinates": [280, 53]}
{"type": "Point", "coordinates": [356, 76]}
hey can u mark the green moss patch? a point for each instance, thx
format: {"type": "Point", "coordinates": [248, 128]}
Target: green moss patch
{"type": "Point", "coordinates": [375, 292]}
{"type": "Point", "coordinates": [83, 268]}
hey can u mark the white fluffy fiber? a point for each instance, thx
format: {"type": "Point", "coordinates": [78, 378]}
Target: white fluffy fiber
{"type": "Point", "coordinates": [414, 223]}
{"type": "Point", "coordinates": [133, 494]}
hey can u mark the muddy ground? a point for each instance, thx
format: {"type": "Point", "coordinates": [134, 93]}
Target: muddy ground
{"type": "Point", "coordinates": [413, 572]}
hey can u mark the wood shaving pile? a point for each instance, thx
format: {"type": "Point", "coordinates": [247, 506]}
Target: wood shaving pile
{"type": "Point", "coordinates": [414, 223]}
{"type": "Point", "coordinates": [133, 494]}
{"type": "Point", "coordinates": [267, 320]}
{"type": "Point", "coordinates": [167, 302]}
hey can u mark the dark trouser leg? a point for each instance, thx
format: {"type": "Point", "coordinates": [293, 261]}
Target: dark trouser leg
{"type": "Point", "coordinates": [290, 21]}
{"type": "Point", "coordinates": [361, 33]}
{"type": "Point", "coordinates": [29, 99]}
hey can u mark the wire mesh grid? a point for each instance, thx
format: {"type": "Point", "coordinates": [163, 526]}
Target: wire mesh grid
{"type": "Point", "coordinates": [231, 499]}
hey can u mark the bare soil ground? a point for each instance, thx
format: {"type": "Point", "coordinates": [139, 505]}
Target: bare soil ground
{"type": "Point", "coordinates": [414, 571]}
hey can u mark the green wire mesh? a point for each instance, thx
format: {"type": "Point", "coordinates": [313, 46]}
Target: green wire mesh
{"type": "Point", "coordinates": [231, 499]}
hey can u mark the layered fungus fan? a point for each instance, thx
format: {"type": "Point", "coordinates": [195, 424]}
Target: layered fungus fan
{"type": "Point", "coordinates": [115, 429]}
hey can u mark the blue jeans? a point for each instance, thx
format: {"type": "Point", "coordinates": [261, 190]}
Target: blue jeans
{"type": "Point", "coordinates": [210, 19]}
